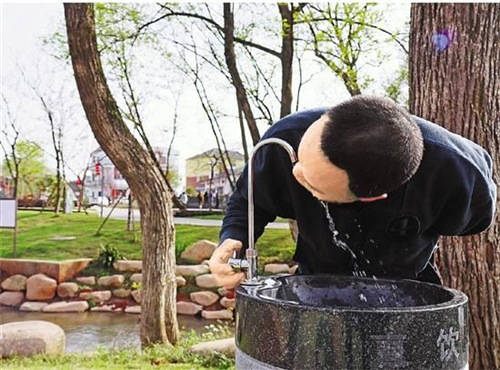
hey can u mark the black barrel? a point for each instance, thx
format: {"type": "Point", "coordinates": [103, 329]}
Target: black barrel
{"type": "Point", "coordinates": [334, 322]}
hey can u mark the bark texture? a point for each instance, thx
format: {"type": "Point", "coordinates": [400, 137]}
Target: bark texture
{"type": "Point", "coordinates": [158, 319]}
{"type": "Point", "coordinates": [455, 82]}
{"type": "Point", "coordinates": [287, 38]}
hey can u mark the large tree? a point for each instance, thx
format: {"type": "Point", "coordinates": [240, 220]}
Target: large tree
{"type": "Point", "coordinates": [455, 82]}
{"type": "Point", "coordinates": [158, 320]}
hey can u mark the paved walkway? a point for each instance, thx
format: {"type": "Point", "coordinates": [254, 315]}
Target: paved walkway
{"type": "Point", "coordinates": [121, 214]}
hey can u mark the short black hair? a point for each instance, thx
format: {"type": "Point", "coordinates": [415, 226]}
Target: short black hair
{"type": "Point", "coordinates": [375, 141]}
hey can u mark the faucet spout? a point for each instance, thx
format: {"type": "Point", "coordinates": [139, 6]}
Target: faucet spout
{"type": "Point", "coordinates": [251, 253]}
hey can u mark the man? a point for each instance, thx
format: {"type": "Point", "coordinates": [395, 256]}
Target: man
{"type": "Point", "coordinates": [369, 176]}
{"type": "Point", "coordinates": [184, 198]}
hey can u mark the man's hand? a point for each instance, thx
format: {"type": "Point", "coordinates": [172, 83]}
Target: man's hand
{"type": "Point", "coordinates": [222, 272]}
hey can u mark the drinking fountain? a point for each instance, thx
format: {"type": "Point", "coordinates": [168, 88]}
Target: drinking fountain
{"type": "Point", "coordinates": [339, 322]}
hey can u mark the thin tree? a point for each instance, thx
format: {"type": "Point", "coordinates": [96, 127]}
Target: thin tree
{"type": "Point", "coordinates": [158, 319]}
{"type": "Point", "coordinates": [57, 138]}
{"type": "Point", "coordinates": [455, 82]}
{"type": "Point", "coordinates": [341, 33]}
{"type": "Point", "coordinates": [118, 44]}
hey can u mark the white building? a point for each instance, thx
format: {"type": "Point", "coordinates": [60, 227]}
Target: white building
{"type": "Point", "coordinates": [110, 182]}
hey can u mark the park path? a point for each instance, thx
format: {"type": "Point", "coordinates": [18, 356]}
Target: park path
{"type": "Point", "coordinates": [121, 214]}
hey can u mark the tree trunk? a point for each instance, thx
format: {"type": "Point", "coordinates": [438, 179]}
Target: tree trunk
{"type": "Point", "coordinates": [81, 196]}
{"type": "Point", "coordinates": [129, 212]}
{"type": "Point", "coordinates": [58, 185]}
{"type": "Point", "coordinates": [235, 76]}
{"type": "Point", "coordinates": [242, 129]}
{"type": "Point", "coordinates": [158, 319]}
{"type": "Point", "coordinates": [286, 57]}
{"type": "Point", "coordinates": [455, 81]}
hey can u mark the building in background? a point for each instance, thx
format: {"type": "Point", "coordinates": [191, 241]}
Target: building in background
{"type": "Point", "coordinates": [104, 179]}
{"type": "Point", "coordinates": [6, 186]}
{"type": "Point", "coordinates": [205, 168]}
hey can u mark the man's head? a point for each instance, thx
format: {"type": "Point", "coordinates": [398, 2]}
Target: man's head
{"type": "Point", "coordinates": [359, 150]}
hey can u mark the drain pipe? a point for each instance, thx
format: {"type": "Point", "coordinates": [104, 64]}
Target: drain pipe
{"type": "Point", "coordinates": [250, 264]}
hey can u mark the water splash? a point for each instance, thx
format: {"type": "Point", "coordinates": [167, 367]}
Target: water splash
{"type": "Point", "coordinates": [342, 244]}
{"type": "Point", "coordinates": [335, 234]}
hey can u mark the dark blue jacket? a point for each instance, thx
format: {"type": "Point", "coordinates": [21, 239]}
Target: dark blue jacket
{"type": "Point", "coordinates": [452, 193]}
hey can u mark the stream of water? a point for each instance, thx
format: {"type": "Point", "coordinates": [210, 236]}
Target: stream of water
{"type": "Point", "coordinates": [337, 242]}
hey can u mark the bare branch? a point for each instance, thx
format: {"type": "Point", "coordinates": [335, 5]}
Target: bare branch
{"type": "Point", "coordinates": [208, 20]}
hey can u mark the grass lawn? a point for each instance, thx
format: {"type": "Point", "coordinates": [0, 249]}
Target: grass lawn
{"type": "Point", "coordinates": [221, 216]}
{"type": "Point", "coordinates": [36, 231]}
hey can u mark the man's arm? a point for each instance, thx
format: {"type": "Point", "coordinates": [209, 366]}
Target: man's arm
{"type": "Point", "coordinates": [470, 209]}
{"type": "Point", "coordinates": [269, 190]}
{"type": "Point", "coordinates": [235, 224]}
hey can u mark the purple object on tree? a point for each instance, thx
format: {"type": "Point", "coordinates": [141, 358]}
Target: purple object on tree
{"type": "Point", "coordinates": [443, 39]}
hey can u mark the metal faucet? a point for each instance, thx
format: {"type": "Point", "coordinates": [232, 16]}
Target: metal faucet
{"type": "Point", "coordinates": [250, 264]}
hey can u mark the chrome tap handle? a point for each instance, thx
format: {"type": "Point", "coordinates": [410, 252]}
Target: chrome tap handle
{"type": "Point", "coordinates": [238, 264]}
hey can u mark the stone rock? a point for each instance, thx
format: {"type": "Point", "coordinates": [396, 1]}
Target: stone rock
{"type": "Point", "coordinates": [224, 346]}
{"type": "Point", "coordinates": [136, 294]}
{"type": "Point", "coordinates": [136, 278]}
{"type": "Point", "coordinates": [11, 298]}
{"type": "Point", "coordinates": [15, 283]}
{"type": "Point", "coordinates": [199, 251]}
{"type": "Point", "coordinates": [97, 296]}
{"type": "Point", "coordinates": [277, 268]}
{"type": "Point", "coordinates": [40, 287]}
{"type": "Point", "coordinates": [217, 315]}
{"type": "Point", "coordinates": [188, 308]}
{"type": "Point", "coordinates": [121, 293]}
{"type": "Point", "coordinates": [227, 302]}
{"type": "Point", "coordinates": [87, 280]}
{"type": "Point", "coordinates": [133, 309]}
{"type": "Point", "coordinates": [222, 292]}
{"type": "Point", "coordinates": [67, 290]}
{"type": "Point", "coordinates": [294, 269]}
{"type": "Point", "coordinates": [104, 308]}
{"type": "Point", "coordinates": [74, 306]}
{"type": "Point", "coordinates": [128, 266]}
{"type": "Point", "coordinates": [30, 338]}
{"type": "Point", "coordinates": [113, 281]}
{"type": "Point", "coordinates": [205, 298]}
{"type": "Point", "coordinates": [32, 306]}
{"type": "Point", "coordinates": [58, 270]}
{"type": "Point", "coordinates": [191, 270]}
{"type": "Point", "coordinates": [63, 238]}
{"type": "Point", "coordinates": [180, 281]}
{"type": "Point", "coordinates": [206, 281]}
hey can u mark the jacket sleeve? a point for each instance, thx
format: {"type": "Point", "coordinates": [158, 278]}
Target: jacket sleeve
{"type": "Point", "coordinates": [272, 171]}
{"type": "Point", "coordinates": [469, 206]}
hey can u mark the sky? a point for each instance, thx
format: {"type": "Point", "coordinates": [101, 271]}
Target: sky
{"type": "Point", "coordinates": [23, 27]}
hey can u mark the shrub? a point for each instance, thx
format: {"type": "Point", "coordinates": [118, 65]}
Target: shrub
{"type": "Point", "coordinates": [108, 255]}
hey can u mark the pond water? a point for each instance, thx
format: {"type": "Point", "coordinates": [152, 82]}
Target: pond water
{"type": "Point", "coordinates": [88, 331]}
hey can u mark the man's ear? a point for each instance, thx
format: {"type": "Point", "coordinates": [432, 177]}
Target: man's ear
{"type": "Point", "coordinates": [373, 199]}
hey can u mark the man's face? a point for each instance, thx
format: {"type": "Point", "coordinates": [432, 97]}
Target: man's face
{"type": "Point", "coordinates": [316, 173]}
